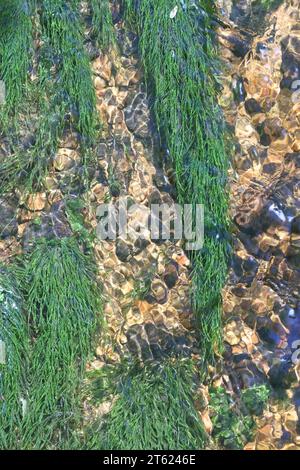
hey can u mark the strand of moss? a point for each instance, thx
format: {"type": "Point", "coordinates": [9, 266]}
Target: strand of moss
{"type": "Point", "coordinates": [66, 97]}
{"type": "Point", "coordinates": [179, 57]}
{"type": "Point", "coordinates": [234, 420]}
{"type": "Point", "coordinates": [14, 353]}
{"type": "Point", "coordinates": [28, 167]}
{"type": "Point", "coordinates": [15, 53]}
{"type": "Point", "coordinates": [61, 22]}
{"type": "Point", "coordinates": [102, 22]}
{"type": "Point", "coordinates": [62, 301]}
{"type": "Point", "coordinates": [154, 409]}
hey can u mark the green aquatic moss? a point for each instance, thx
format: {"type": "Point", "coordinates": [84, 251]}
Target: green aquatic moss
{"type": "Point", "coordinates": [61, 23]}
{"type": "Point", "coordinates": [232, 419]}
{"type": "Point", "coordinates": [63, 303]}
{"type": "Point", "coordinates": [154, 409]}
{"type": "Point", "coordinates": [14, 355]}
{"type": "Point", "coordinates": [102, 23]}
{"type": "Point", "coordinates": [15, 53]}
{"type": "Point", "coordinates": [65, 96]}
{"type": "Point", "coordinates": [177, 47]}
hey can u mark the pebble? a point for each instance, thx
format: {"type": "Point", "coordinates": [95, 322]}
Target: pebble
{"type": "Point", "coordinates": [36, 202]}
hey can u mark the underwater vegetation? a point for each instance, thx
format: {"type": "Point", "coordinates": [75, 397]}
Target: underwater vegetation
{"type": "Point", "coordinates": [48, 334]}
{"type": "Point", "coordinates": [28, 167]}
{"type": "Point", "coordinates": [66, 97]}
{"type": "Point", "coordinates": [50, 300]}
{"type": "Point", "coordinates": [234, 426]}
{"type": "Point", "coordinates": [102, 23]}
{"type": "Point", "coordinates": [62, 25]}
{"type": "Point", "coordinates": [181, 71]}
{"type": "Point", "coordinates": [14, 359]}
{"type": "Point", "coordinates": [154, 409]}
{"type": "Point", "coordinates": [62, 302]}
{"type": "Point", "coordinates": [47, 324]}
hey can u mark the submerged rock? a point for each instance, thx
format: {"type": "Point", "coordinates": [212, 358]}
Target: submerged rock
{"type": "Point", "coordinates": [264, 183]}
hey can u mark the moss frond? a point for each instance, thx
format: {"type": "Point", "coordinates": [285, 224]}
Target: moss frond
{"type": "Point", "coordinates": [63, 303]}
{"type": "Point", "coordinates": [103, 27]}
{"type": "Point", "coordinates": [66, 97]}
{"type": "Point", "coordinates": [14, 355]}
{"type": "Point", "coordinates": [15, 52]}
{"type": "Point", "coordinates": [154, 410]}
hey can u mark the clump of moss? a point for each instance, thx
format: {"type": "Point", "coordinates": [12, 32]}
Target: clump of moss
{"type": "Point", "coordinates": [66, 97]}
{"type": "Point", "coordinates": [62, 302]}
{"type": "Point", "coordinates": [154, 409]}
{"type": "Point", "coordinates": [255, 399]}
{"type": "Point", "coordinates": [102, 23]}
{"type": "Point", "coordinates": [14, 357]}
{"type": "Point", "coordinates": [181, 70]}
{"type": "Point", "coordinates": [74, 208]}
{"type": "Point", "coordinates": [61, 23]}
{"type": "Point", "coordinates": [233, 423]}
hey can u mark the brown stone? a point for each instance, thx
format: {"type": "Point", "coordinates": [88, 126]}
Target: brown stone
{"type": "Point", "coordinates": [65, 159]}
{"type": "Point", "coordinates": [36, 202]}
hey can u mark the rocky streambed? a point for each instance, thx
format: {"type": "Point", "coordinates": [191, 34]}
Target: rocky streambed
{"type": "Point", "coordinates": [261, 299]}
{"type": "Point", "coordinates": [146, 283]}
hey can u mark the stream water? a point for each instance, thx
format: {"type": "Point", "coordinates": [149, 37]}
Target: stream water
{"type": "Point", "coordinates": [261, 298]}
{"type": "Point", "coordinates": [146, 282]}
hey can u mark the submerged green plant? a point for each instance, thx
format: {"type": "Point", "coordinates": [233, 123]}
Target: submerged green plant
{"type": "Point", "coordinates": [102, 23]}
{"type": "Point", "coordinates": [154, 409]}
{"type": "Point", "coordinates": [66, 97]}
{"type": "Point", "coordinates": [181, 73]}
{"type": "Point", "coordinates": [28, 167]}
{"type": "Point", "coordinates": [267, 4]}
{"type": "Point", "coordinates": [231, 429]}
{"type": "Point", "coordinates": [62, 302]}
{"type": "Point", "coordinates": [76, 221]}
{"type": "Point", "coordinates": [255, 399]}
{"type": "Point", "coordinates": [61, 23]}
{"type": "Point", "coordinates": [14, 354]}
{"type": "Point", "coordinates": [142, 287]}
{"type": "Point", "coordinates": [15, 53]}
{"type": "Point", "coordinates": [233, 423]}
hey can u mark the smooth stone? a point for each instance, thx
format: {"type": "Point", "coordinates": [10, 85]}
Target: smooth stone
{"type": "Point", "coordinates": [252, 106]}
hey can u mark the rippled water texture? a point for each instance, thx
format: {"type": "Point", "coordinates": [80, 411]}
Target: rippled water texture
{"type": "Point", "coordinates": [261, 299]}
